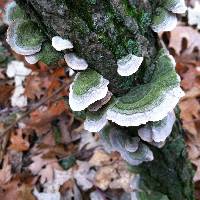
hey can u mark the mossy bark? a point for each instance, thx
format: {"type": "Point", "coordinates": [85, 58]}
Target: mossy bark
{"type": "Point", "coordinates": [102, 32]}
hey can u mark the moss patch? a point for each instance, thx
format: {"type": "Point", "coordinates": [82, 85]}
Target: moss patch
{"type": "Point", "coordinates": [48, 54]}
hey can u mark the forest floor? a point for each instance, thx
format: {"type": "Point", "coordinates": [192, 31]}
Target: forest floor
{"type": "Point", "coordinates": [44, 150]}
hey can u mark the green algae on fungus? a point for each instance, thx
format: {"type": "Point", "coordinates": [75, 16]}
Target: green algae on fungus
{"type": "Point", "coordinates": [163, 20]}
{"type": "Point", "coordinates": [86, 80]}
{"type": "Point", "coordinates": [88, 87]}
{"type": "Point", "coordinates": [151, 101]}
{"type": "Point", "coordinates": [175, 6]}
{"type": "Point", "coordinates": [13, 12]}
{"type": "Point", "coordinates": [25, 37]}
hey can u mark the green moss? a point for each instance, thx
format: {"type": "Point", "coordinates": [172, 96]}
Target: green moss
{"type": "Point", "coordinates": [86, 80]}
{"type": "Point", "coordinates": [28, 34]}
{"type": "Point", "coordinates": [159, 16]}
{"type": "Point", "coordinates": [151, 195]}
{"type": "Point", "coordinates": [92, 2]}
{"type": "Point", "coordinates": [48, 54]}
{"type": "Point", "coordinates": [144, 21]}
{"type": "Point", "coordinates": [142, 17]}
{"type": "Point", "coordinates": [81, 7]}
{"type": "Point", "coordinates": [133, 47]}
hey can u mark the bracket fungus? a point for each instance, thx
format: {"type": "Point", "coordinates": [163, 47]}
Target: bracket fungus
{"type": "Point", "coordinates": [61, 44]}
{"type": "Point", "coordinates": [176, 6]}
{"type": "Point", "coordinates": [164, 20]}
{"type": "Point", "coordinates": [129, 64]}
{"type": "Point", "coordinates": [95, 121]}
{"type": "Point", "coordinates": [151, 101]}
{"type": "Point", "coordinates": [75, 62]}
{"type": "Point", "coordinates": [12, 13]}
{"type": "Point", "coordinates": [150, 98]}
{"type": "Point", "coordinates": [24, 37]}
{"type": "Point", "coordinates": [157, 132]}
{"type": "Point", "coordinates": [32, 59]}
{"type": "Point", "coordinates": [131, 148]}
{"type": "Point", "coordinates": [88, 87]}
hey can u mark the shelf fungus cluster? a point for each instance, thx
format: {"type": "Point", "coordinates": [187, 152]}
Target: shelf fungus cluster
{"type": "Point", "coordinates": [131, 148]}
{"type": "Point", "coordinates": [147, 107]}
{"type": "Point", "coordinates": [26, 38]}
{"type": "Point", "coordinates": [165, 16]}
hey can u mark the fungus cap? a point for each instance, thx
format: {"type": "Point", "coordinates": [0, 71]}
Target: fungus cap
{"type": "Point", "coordinates": [87, 88]}
{"type": "Point", "coordinates": [75, 62]}
{"type": "Point", "coordinates": [176, 6]}
{"type": "Point", "coordinates": [134, 153]}
{"type": "Point", "coordinates": [129, 64]}
{"type": "Point", "coordinates": [157, 132]}
{"type": "Point", "coordinates": [24, 37]}
{"type": "Point", "coordinates": [164, 21]}
{"type": "Point", "coordinates": [32, 59]}
{"type": "Point", "coordinates": [13, 12]}
{"type": "Point", "coordinates": [95, 121]}
{"type": "Point", "coordinates": [61, 44]}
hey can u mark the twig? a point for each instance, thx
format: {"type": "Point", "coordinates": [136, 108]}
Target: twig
{"type": "Point", "coordinates": [65, 85]}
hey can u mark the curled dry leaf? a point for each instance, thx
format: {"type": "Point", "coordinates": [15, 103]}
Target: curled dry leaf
{"type": "Point", "coordinates": [190, 109]}
{"type": "Point", "coordinates": [187, 33]}
{"type": "Point", "coordinates": [18, 141]}
{"type": "Point", "coordinates": [5, 172]}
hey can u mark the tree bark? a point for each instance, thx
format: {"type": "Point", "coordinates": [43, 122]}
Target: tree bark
{"type": "Point", "coordinates": [102, 32]}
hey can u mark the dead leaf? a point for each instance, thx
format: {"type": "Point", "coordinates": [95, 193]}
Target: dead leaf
{"type": "Point", "coordinates": [100, 158]}
{"type": "Point", "coordinates": [181, 33]}
{"type": "Point", "coordinates": [104, 176]}
{"type": "Point", "coordinates": [18, 142]}
{"type": "Point", "coordinates": [5, 172]}
{"type": "Point", "coordinates": [25, 193]}
{"type": "Point", "coordinates": [33, 87]}
{"type": "Point", "coordinates": [5, 91]}
{"type": "Point", "coordinates": [190, 112]}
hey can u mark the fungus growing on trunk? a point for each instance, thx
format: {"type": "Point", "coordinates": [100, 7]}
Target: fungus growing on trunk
{"type": "Point", "coordinates": [175, 6]}
{"type": "Point", "coordinates": [13, 12]}
{"type": "Point", "coordinates": [95, 121]}
{"type": "Point", "coordinates": [164, 20]}
{"type": "Point", "coordinates": [151, 101]}
{"type": "Point", "coordinates": [156, 133]}
{"type": "Point", "coordinates": [88, 87]}
{"type": "Point", "coordinates": [24, 37]}
{"type": "Point", "coordinates": [128, 65]}
{"type": "Point", "coordinates": [75, 62]}
{"type": "Point", "coordinates": [131, 148]}
{"type": "Point", "coordinates": [61, 44]}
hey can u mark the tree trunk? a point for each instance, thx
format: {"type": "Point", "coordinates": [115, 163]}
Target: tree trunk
{"type": "Point", "coordinates": [102, 32]}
